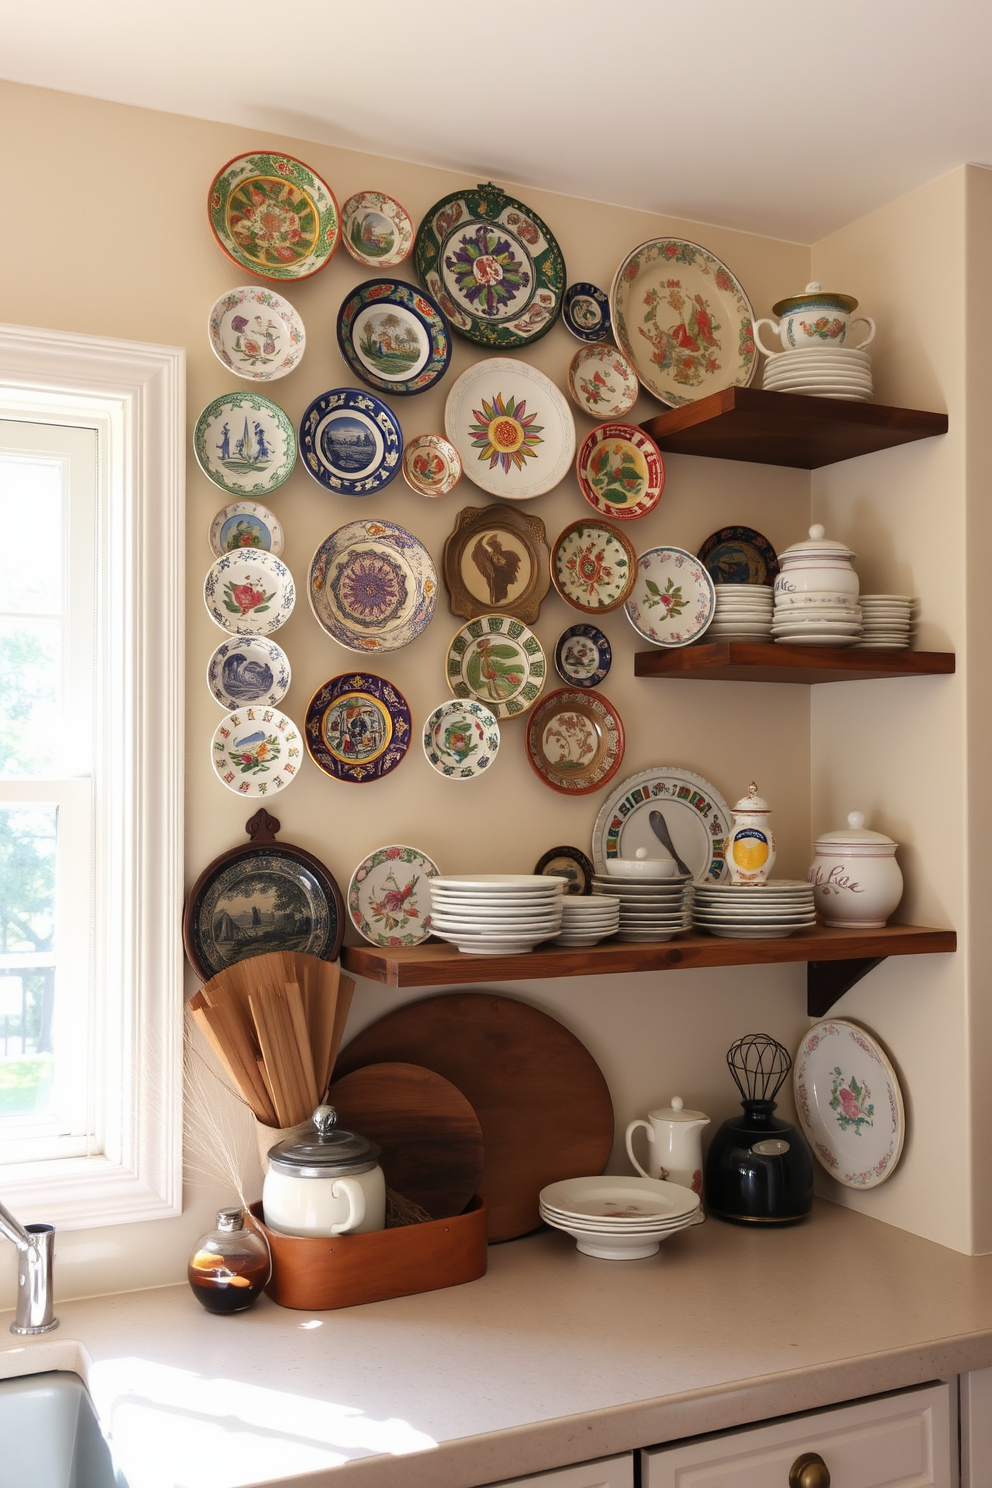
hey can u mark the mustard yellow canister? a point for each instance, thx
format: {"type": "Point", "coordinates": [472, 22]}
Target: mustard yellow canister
{"type": "Point", "coordinates": [751, 849]}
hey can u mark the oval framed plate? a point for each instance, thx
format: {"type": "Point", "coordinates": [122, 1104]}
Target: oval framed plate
{"type": "Point", "coordinates": [739, 555]}
{"type": "Point", "coordinates": [274, 216]}
{"type": "Point", "coordinates": [620, 471]}
{"type": "Point", "coordinates": [593, 566]}
{"type": "Point", "coordinates": [376, 229]}
{"type": "Point", "coordinates": [394, 337]}
{"type": "Point", "coordinates": [256, 333]}
{"type": "Point", "coordinates": [461, 739]}
{"type": "Point", "coordinates": [245, 524]}
{"type": "Point", "coordinates": [575, 741]}
{"type": "Point", "coordinates": [499, 662]}
{"type": "Point", "coordinates": [602, 382]}
{"type": "Point", "coordinates": [693, 812]}
{"type": "Point", "coordinates": [372, 586]}
{"type": "Point", "coordinates": [583, 656]}
{"type": "Point", "coordinates": [496, 561]}
{"type": "Point", "coordinates": [512, 428]}
{"type": "Point", "coordinates": [673, 599]}
{"type": "Point", "coordinates": [431, 466]}
{"type": "Point", "coordinates": [567, 863]}
{"type": "Point", "coordinates": [248, 670]}
{"type": "Point", "coordinates": [849, 1103]}
{"type": "Point", "coordinates": [357, 727]}
{"type": "Point", "coordinates": [388, 899]}
{"type": "Point", "coordinates": [245, 444]}
{"type": "Point", "coordinates": [352, 443]}
{"type": "Point", "coordinates": [249, 591]}
{"type": "Point", "coordinates": [256, 751]}
{"type": "Point", "coordinates": [586, 312]}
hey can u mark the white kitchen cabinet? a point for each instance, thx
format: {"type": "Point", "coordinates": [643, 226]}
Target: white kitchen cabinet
{"type": "Point", "coordinates": [608, 1472]}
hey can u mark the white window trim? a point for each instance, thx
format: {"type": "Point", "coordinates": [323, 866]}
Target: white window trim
{"type": "Point", "coordinates": [136, 392]}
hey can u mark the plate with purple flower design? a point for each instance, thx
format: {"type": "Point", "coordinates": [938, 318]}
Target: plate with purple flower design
{"type": "Point", "coordinates": [849, 1103]}
{"type": "Point", "coordinates": [372, 586]}
{"type": "Point", "coordinates": [256, 333]}
{"type": "Point", "coordinates": [673, 598]}
{"type": "Point", "coordinates": [358, 727]}
{"type": "Point", "coordinates": [249, 591]}
{"type": "Point", "coordinates": [256, 751]}
{"type": "Point", "coordinates": [512, 428]}
{"type": "Point", "coordinates": [388, 898]}
{"type": "Point", "coordinates": [461, 739]}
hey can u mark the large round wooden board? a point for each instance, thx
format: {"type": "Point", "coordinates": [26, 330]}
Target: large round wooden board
{"type": "Point", "coordinates": [540, 1097]}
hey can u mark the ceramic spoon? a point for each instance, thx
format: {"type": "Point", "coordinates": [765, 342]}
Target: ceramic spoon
{"type": "Point", "coordinates": [659, 827]}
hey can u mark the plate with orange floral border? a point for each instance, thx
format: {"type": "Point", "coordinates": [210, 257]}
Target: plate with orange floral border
{"type": "Point", "coordinates": [593, 566]}
{"type": "Point", "coordinates": [512, 428]}
{"type": "Point", "coordinates": [620, 471]}
{"type": "Point", "coordinates": [575, 741]}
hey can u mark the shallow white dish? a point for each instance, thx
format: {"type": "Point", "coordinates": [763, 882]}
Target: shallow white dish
{"type": "Point", "coordinates": [817, 640]}
{"type": "Point", "coordinates": [256, 751]}
{"type": "Point", "coordinates": [256, 333]}
{"type": "Point", "coordinates": [512, 428]}
{"type": "Point", "coordinates": [641, 868]}
{"type": "Point", "coordinates": [245, 524]}
{"type": "Point", "coordinates": [249, 592]}
{"type": "Point", "coordinates": [248, 669]}
{"type": "Point", "coordinates": [849, 1103]}
{"type": "Point", "coordinates": [499, 883]}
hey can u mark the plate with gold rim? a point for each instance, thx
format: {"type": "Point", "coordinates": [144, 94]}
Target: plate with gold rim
{"type": "Point", "coordinates": [273, 215]}
{"type": "Point", "coordinates": [575, 741]}
{"type": "Point", "coordinates": [498, 661]}
{"type": "Point", "coordinates": [376, 230]}
{"type": "Point", "coordinates": [512, 428]}
{"type": "Point", "coordinates": [602, 381]}
{"type": "Point", "coordinates": [620, 471]}
{"type": "Point", "coordinates": [357, 727]}
{"type": "Point", "coordinates": [372, 586]}
{"type": "Point", "coordinates": [593, 566]}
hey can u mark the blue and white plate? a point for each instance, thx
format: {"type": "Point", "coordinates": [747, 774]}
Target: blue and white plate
{"type": "Point", "coordinates": [247, 670]}
{"type": "Point", "coordinates": [586, 312]}
{"type": "Point", "coordinates": [245, 524]}
{"type": "Point", "coordinates": [352, 443]}
{"type": "Point", "coordinates": [249, 592]}
{"type": "Point", "coordinates": [394, 336]}
{"type": "Point", "coordinates": [583, 656]}
{"type": "Point", "coordinates": [372, 586]}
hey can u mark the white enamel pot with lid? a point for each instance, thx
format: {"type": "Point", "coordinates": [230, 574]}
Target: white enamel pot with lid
{"type": "Point", "coordinates": [856, 879]}
{"type": "Point", "coordinates": [324, 1181]}
{"type": "Point", "coordinates": [821, 564]}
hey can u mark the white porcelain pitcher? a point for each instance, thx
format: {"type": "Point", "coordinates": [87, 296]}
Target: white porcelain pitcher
{"type": "Point", "coordinates": [675, 1148]}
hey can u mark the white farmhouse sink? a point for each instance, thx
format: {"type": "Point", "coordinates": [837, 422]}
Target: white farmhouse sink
{"type": "Point", "coordinates": [49, 1435]}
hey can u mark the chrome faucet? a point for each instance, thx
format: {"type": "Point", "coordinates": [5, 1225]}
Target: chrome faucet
{"type": "Point", "coordinates": [35, 1297]}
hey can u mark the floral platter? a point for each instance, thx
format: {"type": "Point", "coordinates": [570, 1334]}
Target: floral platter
{"type": "Point", "coordinates": [583, 656]}
{"type": "Point", "coordinates": [586, 312]}
{"type": "Point", "coordinates": [247, 670]}
{"type": "Point", "coordinates": [498, 661]}
{"type": "Point", "coordinates": [849, 1103]}
{"type": "Point", "coordinates": [256, 333]}
{"type": "Point", "coordinates": [256, 751]}
{"type": "Point", "coordinates": [249, 591]}
{"type": "Point", "coordinates": [274, 216]}
{"type": "Point", "coordinates": [620, 471]}
{"type": "Point", "coordinates": [568, 863]}
{"type": "Point", "coordinates": [693, 811]}
{"type": "Point", "coordinates": [388, 898]}
{"type": "Point", "coordinates": [394, 336]}
{"type": "Point", "coordinates": [461, 739]}
{"type": "Point", "coordinates": [357, 727]}
{"type": "Point", "coordinates": [673, 600]}
{"type": "Point", "coordinates": [377, 231]}
{"type": "Point", "coordinates": [431, 465]}
{"type": "Point", "coordinates": [739, 555]}
{"type": "Point", "coordinates": [602, 382]}
{"type": "Point", "coordinates": [372, 586]}
{"type": "Point", "coordinates": [512, 428]}
{"type": "Point", "coordinates": [683, 320]}
{"type": "Point", "coordinates": [245, 524]}
{"type": "Point", "coordinates": [352, 443]}
{"type": "Point", "coordinates": [593, 566]}
{"type": "Point", "coordinates": [575, 741]}
{"type": "Point", "coordinates": [243, 460]}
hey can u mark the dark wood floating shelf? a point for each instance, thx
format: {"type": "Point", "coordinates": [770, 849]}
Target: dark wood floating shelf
{"type": "Point", "coordinates": [764, 661]}
{"type": "Point", "coordinates": [787, 428]}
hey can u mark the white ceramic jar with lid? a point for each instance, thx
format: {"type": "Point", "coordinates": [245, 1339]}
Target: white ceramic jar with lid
{"type": "Point", "coordinates": [856, 880]}
{"type": "Point", "coordinates": [820, 563]}
{"type": "Point", "coordinates": [751, 849]}
{"type": "Point", "coordinates": [325, 1181]}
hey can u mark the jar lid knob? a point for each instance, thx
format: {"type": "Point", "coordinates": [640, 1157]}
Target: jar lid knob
{"type": "Point", "coordinates": [641, 854]}
{"type": "Point", "coordinates": [817, 532]}
{"type": "Point", "coordinates": [813, 288]}
{"type": "Point", "coordinates": [325, 1119]}
{"type": "Point", "coordinates": [231, 1219]}
{"type": "Point", "coordinates": [856, 820]}
{"type": "Point", "coordinates": [677, 1103]}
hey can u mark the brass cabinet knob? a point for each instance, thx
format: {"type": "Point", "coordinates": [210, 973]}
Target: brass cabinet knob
{"type": "Point", "coordinates": [809, 1471]}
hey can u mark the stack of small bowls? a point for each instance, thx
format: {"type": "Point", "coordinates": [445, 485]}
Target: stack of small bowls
{"type": "Point", "coordinates": [833, 372]}
{"type": "Point", "coordinates": [743, 613]}
{"type": "Point", "coordinates": [768, 911]}
{"type": "Point", "coordinates": [816, 594]}
{"type": "Point", "coordinates": [618, 1219]}
{"type": "Point", "coordinates": [502, 914]}
{"type": "Point", "coordinates": [654, 898]}
{"type": "Point", "coordinates": [887, 622]}
{"type": "Point", "coordinates": [587, 918]}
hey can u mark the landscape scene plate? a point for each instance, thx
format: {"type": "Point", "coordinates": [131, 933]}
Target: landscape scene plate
{"type": "Point", "coordinates": [376, 229]}
{"type": "Point", "coordinates": [245, 524]}
{"type": "Point", "coordinates": [274, 216]}
{"type": "Point", "coordinates": [249, 591]}
{"type": "Point", "coordinates": [388, 898]}
{"type": "Point", "coordinates": [569, 863]}
{"type": "Point", "coordinates": [593, 566]}
{"type": "Point", "coordinates": [245, 444]}
{"type": "Point", "coordinates": [697, 818]}
{"type": "Point", "coordinates": [256, 751]}
{"type": "Point", "coordinates": [352, 443]}
{"type": "Point", "coordinates": [583, 656]}
{"type": "Point", "coordinates": [586, 312]}
{"type": "Point", "coordinates": [512, 428]}
{"type": "Point", "coordinates": [739, 555]}
{"type": "Point", "coordinates": [358, 727]}
{"type": "Point", "coordinates": [431, 466]}
{"type": "Point", "coordinates": [673, 599]}
{"type": "Point", "coordinates": [602, 382]}
{"type": "Point", "coordinates": [248, 669]}
{"type": "Point", "coordinates": [575, 741]}
{"type": "Point", "coordinates": [372, 586]}
{"type": "Point", "coordinates": [461, 739]}
{"type": "Point", "coordinates": [256, 333]}
{"type": "Point", "coordinates": [620, 471]}
{"type": "Point", "coordinates": [499, 662]}
{"type": "Point", "coordinates": [394, 336]}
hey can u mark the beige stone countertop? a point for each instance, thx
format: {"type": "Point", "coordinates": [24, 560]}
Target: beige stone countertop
{"type": "Point", "coordinates": [551, 1358]}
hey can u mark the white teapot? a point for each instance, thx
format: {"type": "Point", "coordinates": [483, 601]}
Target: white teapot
{"type": "Point", "coordinates": [324, 1181]}
{"type": "Point", "coordinates": [674, 1144]}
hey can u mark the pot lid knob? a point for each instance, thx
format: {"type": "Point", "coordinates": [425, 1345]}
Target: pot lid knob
{"type": "Point", "coordinates": [325, 1119]}
{"type": "Point", "coordinates": [813, 288]}
{"type": "Point", "coordinates": [856, 820]}
{"type": "Point", "coordinates": [677, 1103]}
{"type": "Point", "coordinates": [818, 532]}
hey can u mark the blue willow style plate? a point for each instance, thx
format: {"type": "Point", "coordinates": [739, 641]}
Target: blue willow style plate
{"type": "Point", "coordinates": [357, 727]}
{"type": "Point", "coordinates": [352, 443]}
{"type": "Point", "coordinates": [583, 656]}
{"type": "Point", "coordinates": [394, 336]}
{"type": "Point", "coordinates": [586, 312]}
{"type": "Point", "coordinates": [372, 586]}
{"type": "Point", "coordinates": [248, 669]}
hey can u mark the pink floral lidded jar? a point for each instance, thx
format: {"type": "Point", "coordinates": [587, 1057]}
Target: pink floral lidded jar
{"type": "Point", "coordinates": [856, 879]}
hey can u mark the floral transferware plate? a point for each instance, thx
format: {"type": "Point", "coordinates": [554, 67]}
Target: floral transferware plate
{"type": "Point", "coordinates": [567, 863]}
{"type": "Point", "coordinates": [496, 561]}
{"type": "Point", "coordinates": [849, 1103]}
{"type": "Point", "coordinates": [372, 586]}
{"type": "Point", "coordinates": [461, 739]}
{"type": "Point", "coordinates": [256, 333]}
{"type": "Point", "coordinates": [512, 428]}
{"type": "Point", "coordinates": [249, 591]}
{"type": "Point", "coordinates": [586, 312]}
{"type": "Point", "coordinates": [256, 751]}
{"type": "Point", "coordinates": [394, 337]}
{"type": "Point", "coordinates": [499, 662]}
{"type": "Point", "coordinates": [583, 656]}
{"type": "Point", "coordinates": [376, 229]}
{"type": "Point", "coordinates": [602, 382]}
{"type": "Point", "coordinates": [245, 524]}
{"type": "Point", "coordinates": [575, 741]}
{"type": "Point", "coordinates": [665, 802]}
{"type": "Point", "coordinates": [620, 470]}
{"type": "Point", "coordinates": [593, 566]}
{"type": "Point", "coordinates": [683, 320]}
{"type": "Point", "coordinates": [352, 443]}
{"type": "Point", "coordinates": [245, 444]}
{"type": "Point", "coordinates": [431, 466]}
{"type": "Point", "coordinates": [388, 898]}
{"type": "Point", "coordinates": [493, 266]}
{"type": "Point", "coordinates": [246, 670]}
{"type": "Point", "coordinates": [673, 600]}
{"type": "Point", "coordinates": [274, 216]}
{"type": "Point", "coordinates": [739, 555]}
{"type": "Point", "coordinates": [358, 727]}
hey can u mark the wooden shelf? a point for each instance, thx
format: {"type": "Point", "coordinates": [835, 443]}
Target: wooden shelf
{"type": "Point", "coordinates": [765, 661]}
{"type": "Point", "coordinates": [786, 428]}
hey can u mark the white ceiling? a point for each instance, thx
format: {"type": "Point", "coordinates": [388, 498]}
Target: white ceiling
{"type": "Point", "coordinates": [785, 117]}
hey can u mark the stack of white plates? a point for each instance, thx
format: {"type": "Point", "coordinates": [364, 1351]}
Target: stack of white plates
{"type": "Point", "coordinates": [743, 613]}
{"type": "Point", "coordinates": [834, 372]}
{"type": "Point", "coordinates": [650, 909]}
{"type": "Point", "coordinates": [587, 918]}
{"type": "Point", "coordinates": [817, 617]}
{"type": "Point", "coordinates": [618, 1219]}
{"type": "Point", "coordinates": [768, 911]}
{"type": "Point", "coordinates": [887, 622]}
{"type": "Point", "coordinates": [501, 914]}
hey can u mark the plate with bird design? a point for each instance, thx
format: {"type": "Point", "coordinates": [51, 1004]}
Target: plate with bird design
{"type": "Point", "coordinates": [388, 899]}
{"type": "Point", "coordinates": [498, 661]}
{"type": "Point", "coordinates": [512, 428]}
{"type": "Point", "coordinates": [497, 560]}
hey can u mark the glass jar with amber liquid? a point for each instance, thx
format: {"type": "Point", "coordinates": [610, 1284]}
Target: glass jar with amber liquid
{"type": "Point", "coordinates": [229, 1267]}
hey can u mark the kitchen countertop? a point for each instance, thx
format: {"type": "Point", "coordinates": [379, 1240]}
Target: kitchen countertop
{"type": "Point", "coordinates": [551, 1358]}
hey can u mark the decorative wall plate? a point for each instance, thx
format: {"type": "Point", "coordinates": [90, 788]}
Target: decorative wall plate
{"type": "Point", "coordinates": [594, 566]}
{"type": "Point", "coordinates": [683, 320]}
{"type": "Point", "coordinates": [602, 382]}
{"type": "Point", "coordinates": [249, 592]}
{"type": "Point", "coordinates": [256, 751]}
{"type": "Point", "coordinates": [849, 1103]}
{"type": "Point", "coordinates": [256, 333]}
{"type": "Point", "coordinates": [512, 428]}
{"type": "Point", "coordinates": [274, 216]}
{"type": "Point", "coordinates": [496, 561]}
{"type": "Point", "coordinates": [431, 465]}
{"type": "Point", "coordinates": [673, 600]}
{"type": "Point", "coordinates": [248, 669]}
{"type": "Point", "coordinates": [461, 739]}
{"type": "Point", "coordinates": [575, 741]}
{"type": "Point", "coordinates": [693, 812]}
{"type": "Point", "coordinates": [245, 444]}
{"type": "Point", "coordinates": [586, 312]}
{"type": "Point", "coordinates": [567, 863]}
{"type": "Point", "coordinates": [377, 231]}
{"type": "Point", "coordinates": [388, 898]}
{"type": "Point", "coordinates": [372, 586]}
{"type": "Point", "coordinates": [394, 336]}
{"type": "Point", "coordinates": [620, 470]}
{"type": "Point", "coordinates": [358, 727]}
{"type": "Point", "coordinates": [245, 524]}
{"type": "Point", "coordinates": [351, 442]}
{"type": "Point", "coordinates": [739, 555]}
{"type": "Point", "coordinates": [493, 266]}
{"type": "Point", "coordinates": [583, 656]}
{"type": "Point", "coordinates": [498, 661]}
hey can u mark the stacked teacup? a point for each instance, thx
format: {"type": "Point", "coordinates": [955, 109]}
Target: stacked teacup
{"type": "Point", "coordinates": [817, 359]}
{"type": "Point", "coordinates": [816, 594]}
{"type": "Point", "coordinates": [743, 613]}
{"type": "Point", "coordinates": [887, 622]}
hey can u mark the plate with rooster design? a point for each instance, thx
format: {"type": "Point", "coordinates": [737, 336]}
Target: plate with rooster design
{"type": "Point", "coordinates": [388, 898]}
{"type": "Point", "coordinates": [575, 741]}
{"type": "Point", "coordinates": [372, 586]}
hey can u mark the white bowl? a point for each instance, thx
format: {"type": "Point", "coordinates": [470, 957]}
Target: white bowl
{"type": "Point", "coordinates": [641, 867]}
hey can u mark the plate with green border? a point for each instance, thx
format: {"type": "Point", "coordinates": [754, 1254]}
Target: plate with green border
{"type": "Point", "coordinates": [389, 902]}
{"type": "Point", "coordinates": [498, 661]}
{"type": "Point", "coordinates": [273, 215]}
{"type": "Point", "coordinates": [394, 336]}
{"type": "Point", "coordinates": [245, 444]}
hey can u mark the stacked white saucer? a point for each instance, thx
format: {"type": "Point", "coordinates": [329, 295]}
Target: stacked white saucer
{"type": "Point", "coordinates": [817, 617]}
{"type": "Point", "coordinates": [830, 372]}
{"type": "Point", "coordinates": [618, 1219]}
{"type": "Point", "coordinates": [501, 914]}
{"type": "Point", "coordinates": [743, 613]}
{"type": "Point", "coordinates": [650, 909]}
{"type": "Point", "coordinates": [887, 621]}
{"type": "Point", "coordinates": [769, 911]}
{"type": "Point", "coordinates": [587, 918]}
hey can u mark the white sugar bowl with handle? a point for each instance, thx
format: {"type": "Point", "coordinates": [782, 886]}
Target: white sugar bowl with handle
{"type": "Point", "coordinates": [324, 1181]}
{"type": "Point", "coordinates": [675, 1149]}
{"type": "Point", "coordinates": [857, 883]}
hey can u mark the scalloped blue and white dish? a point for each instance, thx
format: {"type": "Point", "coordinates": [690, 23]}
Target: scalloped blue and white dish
{"type": "Point", "coordinates": [372, 586]}
{"type": "Point", "coordinates": [583, 656]}
{"type": "Point", "coordinates": [586, 312]}
{"type": "Point", "coordinates": [394, 336]}
{"type": "Point", "coordinates": [352, 442]}
{"type": "Point", "coordinates": [247, 670]}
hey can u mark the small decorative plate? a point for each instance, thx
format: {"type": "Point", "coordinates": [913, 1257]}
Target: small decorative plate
{"type": "Point", "coordinates": [245, 524]}
{"type": "Point", "coordinates": [376, 230]}
{"type": "Point", "coordinates": [461, 739]}
{"type": "Point", "coordinates": [249, 592]}
{"type": "Point", "coordinates": [593, 566]}
{"type": "Point", "coordinates": [358, 727]}
{"type": "Point", "coordinates": [685, 808]}
{"type": "Point", "coordinates": [496, 560]}
{"type": "Point", "coordinates": [512, 428]}
{"type": "Point", "coordinates": [567, 863]}
{"type": "Point", "coordinates": [431, 466]}
{"type": "Point", "coordinates": [673, 600]}
{"type": "Point", "coordinates": [388, 898]}
{"type": "Point", "coordinates": [372, 586]}
{"type": "Point", "coordinates": [248, 670]}
{"type": "Point", "coordinates": [620, 470]}
{"type": "Point", "coordinates": [498, 661]}
{"type": "Point", "coordinates": [683, 321]}
{"type": "Point", "coordinates": [256, 751]}
{"type": "Point", "coordinates": [739, 555]}
{"type": "Point", "coordinates": [352, 443]}
{"type": "Point", "coordinates": [602, 382]}
{"type": "Point", "coordinates": [394, 337]}
{"type": "Point", "coordinates": [849, 1103]}
{"type": "Point", "coordinates": [575, 741]}
{"type": "Point", "coordinates": [256, 333]}
{"type": "Point", "coordinates": [245, 444]}
{"type": "Point", "coordinates": [586, 312]}
{"type": "Point", "coordinates": [583, 656]}
{"type": "Point", "coordinates": [274, 216]}
{"type": "Point", "coordinates": [493, 266]}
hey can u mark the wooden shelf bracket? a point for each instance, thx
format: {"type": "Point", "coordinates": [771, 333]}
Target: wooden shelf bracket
{"type": "Point", "coordinates": [827, 981]}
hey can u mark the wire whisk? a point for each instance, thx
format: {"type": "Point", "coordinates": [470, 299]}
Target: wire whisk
{"type": "Point", "coordinates": [759, 1065]}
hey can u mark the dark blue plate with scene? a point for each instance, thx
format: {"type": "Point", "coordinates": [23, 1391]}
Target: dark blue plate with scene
{"type": "Point", "coordinates": [586, 311]}
{"type": "Point", "coordinates": [739, 555]}
{"type": "Point", "coordinates": [394, 336]}
{"type": "Point", "coordinates": [352, 442]}
{"type": "Point", "coordinates": [583, 656]}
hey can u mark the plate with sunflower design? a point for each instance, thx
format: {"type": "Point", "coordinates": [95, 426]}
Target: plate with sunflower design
{"type": "Point", "coordinates": [673, 600]}
{"type": "Point", "coordinates": [512, 428]}
{"type": "Point", "coordinates": [593, 566]}
{"type": "Point", "coordinates": [394, 336]}
{"type": "Point", "coordinates": [245, 444]}
{"type": "Point", "coordinates": [376, 229]}
{"type": "Point", "coordinates": [620, 471]}
{"type": "Point", "coordinates": [494, 267]}
{"type": "Point", "coordinates": [256, 751]}
{"type": "Point", "coordinates": [499, 662]}
{"type": "Point", "coordinates": [575, 741]}
{"type": "Point", "coordinates": [352, 443]}
{"type": "Point", "coordinates": [388, 899]}
{"type": "Point", "coordinates": [274, 216]}
{"type": "Point", "coordinates": [357, 727]}
{"type": "Point", "coordinates": [461, 739]}
{"type": "Point", "coordinates": [372, 586]}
